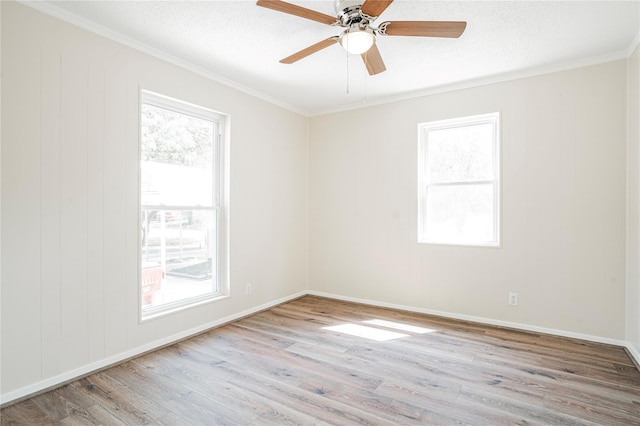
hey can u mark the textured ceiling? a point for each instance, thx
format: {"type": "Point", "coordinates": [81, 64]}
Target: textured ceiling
{"type": "Point", "coordinates": [241, 43]}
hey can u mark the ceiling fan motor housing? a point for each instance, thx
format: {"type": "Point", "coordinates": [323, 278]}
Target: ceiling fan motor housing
{"type": "Point", "coordinates": [349, 13]}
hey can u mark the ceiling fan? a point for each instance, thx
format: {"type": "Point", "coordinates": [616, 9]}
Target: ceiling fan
{"type": "Point", "coordinates": [359, 37]}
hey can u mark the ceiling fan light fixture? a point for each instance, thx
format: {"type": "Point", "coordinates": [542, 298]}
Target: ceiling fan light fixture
{"type": "Point", "coordinates": [357, 41]}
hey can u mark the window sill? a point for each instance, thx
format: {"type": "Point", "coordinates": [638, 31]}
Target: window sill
{"type": "Point", "coordinates": [162, 311]}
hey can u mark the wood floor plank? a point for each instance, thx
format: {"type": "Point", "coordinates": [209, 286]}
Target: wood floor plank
{"type": "Point", "coordinates": [62, 402]}
{"type": "Point", "coordinates": [111, 394]}
{"type": "Point", "coordinates": [203, 378]}
{"type": "Point", "coordinates": [171, 419]}
{"type": "Point", "coordinates": [312, 403]}
{"type": "Point", "coordinates": [478, 400]}
{"type": "Point", "coordinates": [581, 409]}
{"type": "Point", "coordinates": [318, 361]}
{"type": "Point", "coordinates": [196, 407]}
{"type": "Point", "coordinates": [97, 415]}
{"type": "Point", "coordinates": [24, 413]}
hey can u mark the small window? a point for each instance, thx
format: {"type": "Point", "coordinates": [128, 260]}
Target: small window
{"type": "Point", "coordinates": [459, 185]}
{"type": "Point", "coordinates": [182, 219]}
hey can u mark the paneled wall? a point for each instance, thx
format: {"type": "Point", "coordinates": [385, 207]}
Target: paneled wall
{"type": "Point", "coordinates": [70, 236]}
{"type": "Point", "coordinates": [563, 205]}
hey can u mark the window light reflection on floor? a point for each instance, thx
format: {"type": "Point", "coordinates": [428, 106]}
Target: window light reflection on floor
{"type": "Point", "coordinates": [371, 333]}
{"type": "Point", "coordinates": [400, 326]}
{"type": "Point", "coordinates": [379, 334]}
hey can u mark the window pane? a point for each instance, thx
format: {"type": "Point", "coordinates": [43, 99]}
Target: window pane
{"type": "Point", "coordinates": [460, 154]}
{"type": "Point", "coordinates": [460, 213]}
{"type": "Point", "coordinates": [178, 255]}
{"type": "Point", "coordinates": [177, 158]}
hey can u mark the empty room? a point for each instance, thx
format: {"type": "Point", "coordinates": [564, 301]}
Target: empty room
{"type": "Point", "coordinates": [320, 212]}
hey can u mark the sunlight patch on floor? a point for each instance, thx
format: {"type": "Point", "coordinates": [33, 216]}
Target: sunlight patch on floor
{"type": "Point", "coordinates": [372, 330]}
{"type": "Point", "coordinates": [400, 326]}
{"type": "Point", "coordinates": [370, 333]}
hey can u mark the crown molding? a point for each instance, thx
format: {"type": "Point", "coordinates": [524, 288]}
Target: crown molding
{"type": "Point", "coordinates": [85, 24]}
{"type": "Point", "coordinates": [52, 10]}
{"type": "Point", "coordinates": [485, 81]}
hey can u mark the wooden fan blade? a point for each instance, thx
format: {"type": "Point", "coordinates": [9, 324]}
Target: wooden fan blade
{"type": "Point", "coordinates": [300, 11]}
{"type": "Point", "coordinates": [375, 7]}
{"type": "Point", "coordinates": [309, 50]}
{"type": "Point", "coordinates": [452, 29]}
{"type": "Point", "coordinates": [373, 60]}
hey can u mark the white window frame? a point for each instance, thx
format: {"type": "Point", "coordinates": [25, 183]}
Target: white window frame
{"type": "Point", "coordinates": [219, 207]}
{"type": "Point", "coordinates": [424, 184]}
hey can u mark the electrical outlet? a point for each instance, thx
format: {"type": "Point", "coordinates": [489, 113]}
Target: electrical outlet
{"type": "Point", "coordinates": [247, 289]}
{"type": "Point", "coordinates": [513, 299]}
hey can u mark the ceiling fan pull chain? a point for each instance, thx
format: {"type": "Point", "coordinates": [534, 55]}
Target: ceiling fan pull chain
{"type": "Point", "coordinates": [347, 57]}
{"type": "Point", "coordinates": [364, 101]}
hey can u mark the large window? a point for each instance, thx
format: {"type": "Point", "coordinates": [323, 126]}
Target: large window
{"type": "Point", "coordinates": [182, 218]}
{"type": "Point", "coordinates": [459, 185]}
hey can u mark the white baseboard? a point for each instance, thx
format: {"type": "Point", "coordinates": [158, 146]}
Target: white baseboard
{"type": "Point", "coordinates": [85, 370]}
{"type": "Point", "coordinates": [561, 333]}
{"type": "Point", "coordinates": [633, 352]}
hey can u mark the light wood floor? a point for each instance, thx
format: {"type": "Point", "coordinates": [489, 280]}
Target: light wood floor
{"type": "Point", "coordinates": [283, 366]}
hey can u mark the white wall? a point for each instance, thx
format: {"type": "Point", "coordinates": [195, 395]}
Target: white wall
{"type": "Point", "coordinates": [563, 205]}
{"type": "Point", "coordinates": [70, 196]}
{"type": "Point", "coordinates": [70, 199]}
{"type": "Point", "coordinates": [633, 201]}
